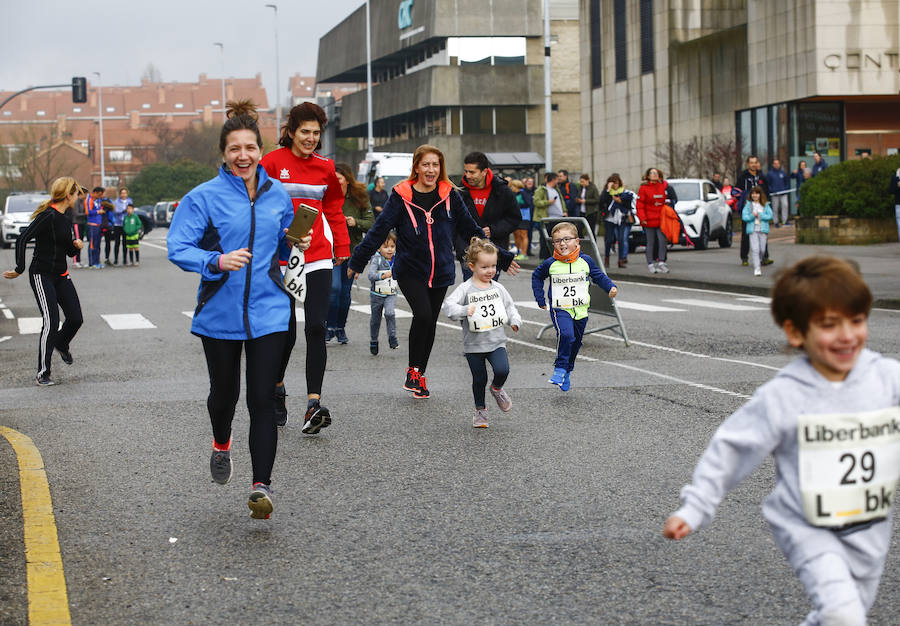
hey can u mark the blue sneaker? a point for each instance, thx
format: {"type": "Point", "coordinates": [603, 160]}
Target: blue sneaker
{"type": "Point", "coordinates": [329, 335]}
{"type": "Point", "coordinates": [559, 375]}
{"type": "Point", "coordinates": [566, 383]}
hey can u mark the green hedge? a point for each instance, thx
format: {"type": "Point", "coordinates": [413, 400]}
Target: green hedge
{"type": "Point", "coordinates": [168, 181]}
{"type": "Point", "coordinates": [857, 188]}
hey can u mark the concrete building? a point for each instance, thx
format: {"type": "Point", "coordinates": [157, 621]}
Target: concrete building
{"type": "Point", "coordinates": [779, 78]}
{"type": "Point", "coordinates": [463, 75]}
{"type": "Point", "coordinates": [130, 117]}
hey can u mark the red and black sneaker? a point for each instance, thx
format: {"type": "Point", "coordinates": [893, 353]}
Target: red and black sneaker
{"type": "Point", "coordinates": [422, 392]}
{"type": "Point", "coordinates": [412, 379]}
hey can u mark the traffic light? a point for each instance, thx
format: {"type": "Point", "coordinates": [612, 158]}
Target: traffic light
{"type": "Point", "coordinates": [79, 89]}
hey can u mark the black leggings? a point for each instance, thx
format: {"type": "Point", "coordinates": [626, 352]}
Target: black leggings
{"type": "Point", "coordinates": [425, 303]}
{"type": "Point", "coordinates": [315, 311]}
{"type": "Point", "coordinates": [54, 292]}
{"type": "Point", "coordinates": [499, 361]}
{"type": "Point", "coordinates": [223, 360]}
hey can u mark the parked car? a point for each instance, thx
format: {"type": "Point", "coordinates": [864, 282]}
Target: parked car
{"type": "Point", "coordinates": [17, 212]}
{"type": "Point", "coordinates": [703, 211]}
{"type": "Point", "coordinates": [163, 211]}
{"type": "Point", "coordinates": [145, 212]}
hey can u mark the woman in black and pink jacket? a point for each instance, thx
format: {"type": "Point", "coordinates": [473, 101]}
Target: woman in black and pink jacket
{"type": "Point", "coordinates": [426, 211]}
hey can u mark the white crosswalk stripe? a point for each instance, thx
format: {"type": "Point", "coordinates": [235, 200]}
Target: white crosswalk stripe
{"type": "Point", "coordinates": [709, 304]}
{"type": "Point", "coordinates": [127, 321]}
{"type": "Point", "coordinates": [30, 325]}
{"type": "Point", "coordinates": [365, 308]}
{"type": "Point", "coordinates": [652, 308]}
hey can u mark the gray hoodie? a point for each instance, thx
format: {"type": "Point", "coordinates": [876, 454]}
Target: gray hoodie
{"type": "Point", "coordinates": [768, 424]}
{"type": "Point", "coordinates": [456, 307]}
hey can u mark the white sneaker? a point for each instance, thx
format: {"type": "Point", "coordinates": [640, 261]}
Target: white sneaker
{"type": "Point", "coordinates": [757, 272]}
{"type": "Point", "coordinates": [651, 267]}
{"type": "Point", "coordinates": [662, 268]}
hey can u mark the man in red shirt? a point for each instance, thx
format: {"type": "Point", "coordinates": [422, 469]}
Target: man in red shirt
{"type": "Point", "coordinates": [491, 203]}
{"type": "Point", "coordinates": [310, 179]}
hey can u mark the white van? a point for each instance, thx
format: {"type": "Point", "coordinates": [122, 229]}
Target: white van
{"type": "Point", "coordinates": [393, 166]}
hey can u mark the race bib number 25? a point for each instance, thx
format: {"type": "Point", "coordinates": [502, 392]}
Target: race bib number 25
{"type": "Point", "coordinates": [849, 465]}
{"type": "Point", "coordinates": [569, 290]}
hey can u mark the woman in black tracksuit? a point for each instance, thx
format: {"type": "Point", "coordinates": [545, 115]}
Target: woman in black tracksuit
{"type": "Point", "coordinates": [48, 274]}
{"type": "Point", "coordinates": [426, 211]}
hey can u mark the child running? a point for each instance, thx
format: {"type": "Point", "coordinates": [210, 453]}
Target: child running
{"type": "Point", "coordinates": [132, 227]}
{"type": "Point", "coordinates": [831, 420]}
{"type": "Point", "coordinates": [383, 295]}
{"type": "Point", "coordinates": [570, 272]}
{"type": "Point", "coordinates": [483, 306]}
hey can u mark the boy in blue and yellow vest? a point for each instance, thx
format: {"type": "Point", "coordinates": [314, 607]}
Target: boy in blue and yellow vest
{"type": "Point", "coordinates": [570, 272]}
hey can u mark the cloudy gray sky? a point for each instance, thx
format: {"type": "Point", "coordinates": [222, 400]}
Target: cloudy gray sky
{"type": "Point", "coordinates": [49, 41]}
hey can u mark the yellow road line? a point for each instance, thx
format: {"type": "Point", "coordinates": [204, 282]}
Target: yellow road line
{"type": "Point", "coordinates": [48, 602]}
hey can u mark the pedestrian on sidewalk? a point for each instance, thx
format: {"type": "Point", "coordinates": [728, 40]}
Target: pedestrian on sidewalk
{"type": "Point", "coordinates": [48, 274]}
{"type": "Point", "coordinates": [800, 176]}
{"type": "Point", "coordinates": [240, 308]}
{"type": "Point", "coordinates": [895, 189]}
{"type": "Point", "coordinates": [358, 213]}
{"type": "Point", "coordinates": [652, 197]}
{"type": "Point", "coordinates": [779, 186]}
{"type": "Point", "coordinates": [750, 178]}
{"type": "Point", "coordinates": [520, 234]}
{"type": "Point", "coordinates": [829, 420]}
{"type": "Point", "coordinates": [483, 307]}
{"type": "Point", "coordinates": [132, 227]}
{"type": "Point", "coordinates": [589, 201]}
{"type": "Point", "coordinates": [94, 212]}
{"type": "Point", "coordinates": [616, 207]}
{"type": "Point", "coordinates": [757, 214]}
{"type": "Point", "coordinates": [427, 212]}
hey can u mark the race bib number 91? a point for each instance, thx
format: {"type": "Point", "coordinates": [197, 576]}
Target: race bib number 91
{"type": "Point", "coordinates": [570, 290]}
{"type": "Point", "coordinates": [849, 465]}
{"type": "Point", "coordinates": [489, 311]}
{"type": "Point", "coordinates": [295, 277]}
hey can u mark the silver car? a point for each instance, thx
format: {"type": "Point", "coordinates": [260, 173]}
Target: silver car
{"type": "Point", "coordinates": [703, 211]}
{"type": "Point", "coordinates": [17, 214]}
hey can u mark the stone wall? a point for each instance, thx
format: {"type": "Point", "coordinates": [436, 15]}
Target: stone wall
{"type": "Point", "coordinates": [845, 230]}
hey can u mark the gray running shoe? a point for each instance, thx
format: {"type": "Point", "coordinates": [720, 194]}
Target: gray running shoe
{"type": "Point", "coordinates": [260, 501]}
{"type": "Point", "coordinates": [480, 420]}
{"type": "Point", "coordinates": [43, 380]}
{"type": "Point", "coordinates": [220, 467]}
{"type": "Point", "coordinates": [502, 398]}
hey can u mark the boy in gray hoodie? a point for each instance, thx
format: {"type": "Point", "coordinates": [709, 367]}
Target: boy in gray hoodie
{"type": "Point", "coordinates": [832, 421]}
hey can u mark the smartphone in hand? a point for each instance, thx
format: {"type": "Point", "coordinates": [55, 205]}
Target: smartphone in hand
{"type": "Point", "coordinates": [304, 217]}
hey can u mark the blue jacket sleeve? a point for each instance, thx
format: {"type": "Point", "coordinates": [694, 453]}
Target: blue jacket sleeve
{"type": "Point", "coordinates": [747, 213]}
{"type": "Point", "coordinates": [767, 213]}
{"type": "Point", "coordinates": [187, 229]}
{"type": "Point", "coordinates": [538, 276]}
{"type": "Point", "coordinates": [388, 218]}
{"type": "Point", "coordinates": [597, 274]}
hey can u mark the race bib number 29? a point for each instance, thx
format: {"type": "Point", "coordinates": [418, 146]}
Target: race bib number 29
{"type": "Point", "coordinates": [849, 466]}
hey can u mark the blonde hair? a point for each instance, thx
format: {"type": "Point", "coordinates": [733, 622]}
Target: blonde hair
{"type": "Point", "coordinates": [566, 225]}
{"type": "Point", "coordinates": [477, 246]}
{"type": "Point", "coordinates": [516, 184]}
{"type": "Point", "coordinates": [61, 189]}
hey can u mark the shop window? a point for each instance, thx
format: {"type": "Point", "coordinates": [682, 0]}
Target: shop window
{"type": "Point", "coordinates": [820, 129]}
{"type": "Point", "coordinates": [646, 36]}
{"type": "Point", "coordinates": [477, 121]}
{"type": "Point", "coordinates": [596, 48]}
{"type": "Point", "coordinates": [510, 120]}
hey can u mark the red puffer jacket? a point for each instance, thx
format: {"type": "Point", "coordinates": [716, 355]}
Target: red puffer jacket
{"type": "Point", "coordinates": [650, 201]}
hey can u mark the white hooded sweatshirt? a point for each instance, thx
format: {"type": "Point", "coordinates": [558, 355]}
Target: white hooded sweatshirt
{"type": "Point", "coordinates": [770, 424]}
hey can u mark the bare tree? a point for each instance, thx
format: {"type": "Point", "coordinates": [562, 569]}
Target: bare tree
{"type": "Point", "coordinates": [700, 157]}
{"type": "Point", "coordinates": [198, 143]}
{"type": "Point", "coordinates": [39, 157]}
{"type": "Point", "coordinates": [151, 74]}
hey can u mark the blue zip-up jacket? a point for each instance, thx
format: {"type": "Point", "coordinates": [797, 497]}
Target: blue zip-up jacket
{"type": "Point", "coordinates": [218, 217]}
{"type": "Point", "coordinates": [424, 249]}
{"type": "Point", "coordinates": [778, 180]}
{"type": "Point", "coordinates": [94, 216]}
{"type": "Point", "coordinates": [764, 218]}
{"type": "Point", "coordinates": [542, 272]}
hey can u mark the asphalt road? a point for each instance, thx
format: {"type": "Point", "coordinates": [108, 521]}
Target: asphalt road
{"type": "Point", "coordinates": [400, 512]}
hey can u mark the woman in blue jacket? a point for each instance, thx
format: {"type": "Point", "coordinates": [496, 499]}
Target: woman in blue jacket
{"type": "Point", "coordinates": [230, 230]}
{"type": "Point", "coordinates": [426, 212]}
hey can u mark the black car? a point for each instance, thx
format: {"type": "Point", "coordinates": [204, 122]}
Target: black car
{"type": "Point", "coordinates": [145, 212]}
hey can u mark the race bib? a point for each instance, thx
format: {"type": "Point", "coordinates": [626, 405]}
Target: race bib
{"type": "Point", "coordinates": [849, 465]}
{"type": "Point", "coordinates": [295, 276]}
{"type": "Point", "coordinates": [489, 311]}
{"type": "Point", "coordinates": [386, 287]}
{"type": "Point", "coordinates": [569, 290]}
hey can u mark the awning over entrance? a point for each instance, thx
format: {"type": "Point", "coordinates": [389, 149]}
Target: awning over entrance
{"type": "Point", "coordinates": [515, 160]}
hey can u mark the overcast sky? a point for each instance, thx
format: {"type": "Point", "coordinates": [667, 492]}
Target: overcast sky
{"type": "Point", "coordinates": [49, 41]}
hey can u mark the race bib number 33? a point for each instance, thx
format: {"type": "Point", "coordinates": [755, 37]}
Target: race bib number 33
{"type": "Point", "coordinates": [489, 310]}
{"type": "Point", "coordinates": [570, 290]}
{"type": "Point", "coordinates": [849, 465]}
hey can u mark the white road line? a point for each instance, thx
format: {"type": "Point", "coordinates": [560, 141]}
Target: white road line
{"type": "Point", "coordinates": [8, 314]}
{"type": "Point", "coordinates": [709, 304]}
{"type": "Point", "coordinates": [153, 245]}
{"type": "Point", "coordinates": [758, 299]}
{"type": "Point", "coordinates": [367, 309]}
{"type": "Point", "coordinates": [127, 321]}
{"type": "Point", "coordinates": [5, 338]}
{"type": "Point", "coordinates": [651, 308]}
{"type": "Point", "coordinates": [189, 314]}
{"type": "Point", "coordinates": [30, 325]}
{"type": "Point", "coordinates": [684, 352]}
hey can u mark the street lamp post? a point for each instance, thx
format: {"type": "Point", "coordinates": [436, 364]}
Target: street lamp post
{"type": "Point", "coordinates": [274, 7]}
{"type": "Point", "coordinates": [100, 118]}
{"type": "Point", "coordinates": [371, 142]}
{"type": "Point", "coordinates": [222, 49]}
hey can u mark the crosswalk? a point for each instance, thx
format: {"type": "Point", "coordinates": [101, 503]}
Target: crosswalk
{"type": "Point", "coordinates": [137, 321]}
